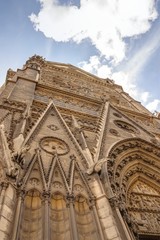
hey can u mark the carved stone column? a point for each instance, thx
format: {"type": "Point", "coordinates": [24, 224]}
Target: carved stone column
{"type": "Point", "coordinates": [18, 214]}
{"type": "Point", "coordinates": [93, 207]}
{"type": "Point", "coordinates": [46, 199]}
{"type": "Point", "coordinates": [70, 199]}
{"type": "Point", "coordinates": [4, 186]}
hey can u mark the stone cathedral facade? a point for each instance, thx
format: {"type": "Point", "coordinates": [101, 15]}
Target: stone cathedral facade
{"type": "Point", "coordinates": [79, 158]}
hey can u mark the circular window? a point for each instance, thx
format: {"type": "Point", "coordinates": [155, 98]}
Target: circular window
{"type": "Point", "coordinates": [54, 145]}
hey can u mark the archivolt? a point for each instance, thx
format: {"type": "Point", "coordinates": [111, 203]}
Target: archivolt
{"type": "Point", "coordinates": [134, 163]}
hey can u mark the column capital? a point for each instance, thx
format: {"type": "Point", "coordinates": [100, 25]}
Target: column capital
{"type": "Point", "coordinates": [4, 185]}
{"type": "Point", "coordinates": [70, 199]}
{"type": "Point", "coordinates": [46, 195]}
{"type": "Point", "coordinates": [21, 193]}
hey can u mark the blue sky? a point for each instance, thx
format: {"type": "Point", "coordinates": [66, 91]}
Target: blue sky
{"type": "Point", "coordinates": [109, 38]}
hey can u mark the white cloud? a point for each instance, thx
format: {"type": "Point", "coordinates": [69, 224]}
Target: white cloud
{"type": "Point", "coordinates": [152, 106]}
{"type": "Point", "coordinates": [95, 66]}
{"type": "Point", "coordinates": [105, 22]}
{"type": "Point", "coordinates": [128, 75]}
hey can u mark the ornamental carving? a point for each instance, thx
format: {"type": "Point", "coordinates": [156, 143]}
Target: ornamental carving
{"type": "Point", "coordinates": [126, 126]}
{"type": "Point", "coordinates": [53, 127]}
{"type": "Point", "coordinates": [34, 182]}
{"type": "Point", "coordinates": [138, 201]}
{"type": "Point", "coordinates": [57, 185]}
{"type": "Point", "coordinates": [143, 206]}
{"type": "Point", "coordinates": [117, 114]}
{"type": "Point", "coordinates": [114, 132]}
{"type": "Point", "coordinates": [78, 188]}
{"type": "Point", "coordinates": [54, 145]}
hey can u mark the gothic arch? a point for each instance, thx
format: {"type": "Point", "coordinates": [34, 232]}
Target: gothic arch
{"type": "Point", "coordinates": [132, 163]}
{"type": "Point", "coordinates": [86, 226]}
{"type": "Point", "coordinates": [33, 176]}
{"type": "Point", "coordinates": [32, 220]}
{"type": "Point", "coordinates": [59, 217]}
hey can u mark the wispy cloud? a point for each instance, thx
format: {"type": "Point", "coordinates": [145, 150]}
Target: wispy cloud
{"type": "Point", "coordinates": [128, 75]}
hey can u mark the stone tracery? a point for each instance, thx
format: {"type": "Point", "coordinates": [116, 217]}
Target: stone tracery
{"type": "Point", "coordinates": [136, 184]}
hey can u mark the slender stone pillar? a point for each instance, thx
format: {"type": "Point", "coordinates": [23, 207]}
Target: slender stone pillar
{"type": "Point", "coordinates": [70, 199]}
{"type": "Point", "coordinates": [46, 196]}
{"type": "Point", "coordinates": [93, 207]}
{"type": "Point", "coordinates": [4, 186]}
{"type": "Point", "coordinates": [18, 213]}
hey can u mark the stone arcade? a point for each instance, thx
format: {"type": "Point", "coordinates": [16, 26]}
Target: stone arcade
{"type": "Point", "coordinates": [79, 159]}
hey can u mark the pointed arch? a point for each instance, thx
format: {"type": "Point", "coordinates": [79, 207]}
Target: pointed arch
{"type": "Point", "coordinates": [32, 221]}
{"type": "Point", "coordinates": [86, 226]}
{"type": "Point", "coordinates": [34, 176]}
{"type": "Point", "coordinates": [132, 163]}
{"type": "Point", "coordinates": [59, 218]}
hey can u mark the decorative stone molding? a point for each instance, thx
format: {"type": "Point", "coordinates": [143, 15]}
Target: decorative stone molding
{"type": "Point", "coordinates": [126, 126]}
{"type": "Point", "coordinates": [54, 145]}
{"type": "Point", "coordinates": [114, 132]}
{"type": "Point", "coordinates": [127, 160]}
{"type": "Point", "coordinates": [53, 127]}
{"type": "Point", "coordinates": [118, 115]}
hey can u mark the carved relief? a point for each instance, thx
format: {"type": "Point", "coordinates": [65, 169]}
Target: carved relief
{"type": "Point", "coordinates": [57, 185]}
{"type": "Point", "coordinates": [78, 188]}
{"type": "Point", "coordinates": [139, 204]}
{"type": "Point", "coordinates": [126, 126]}
{"type": "Point", "coordinates": [117, 114]}
{"type": "Point", "coordinates": [68, 101]}
{"type": "Point", "coordinates": [53, 127]}
{"type": "Point", "coordinates": [54, 145]}
{"type": "Point", "coordinates": [114, 132]}
{"type": "Point", "coordinates": [71, 84]}
{"type": "Point", "coordinates": [144, 208]}
{"type": "Point", "coordinates": [34, 182]}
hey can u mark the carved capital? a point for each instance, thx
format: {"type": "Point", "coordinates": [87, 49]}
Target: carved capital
{"type": "Point", "coordinates": [4, 185]}
{"type": "Point", "coordinates": [73, 157]}
{"type": "Point", "coordinates": [21, 194]}
{"type": "Point", "coordinates": [70, 199]}
{"type": "Point", "coordinates": [46, 195]}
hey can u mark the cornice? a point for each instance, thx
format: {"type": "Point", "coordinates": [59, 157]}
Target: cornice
{"type": "Point", "coordinates": [69, 93]}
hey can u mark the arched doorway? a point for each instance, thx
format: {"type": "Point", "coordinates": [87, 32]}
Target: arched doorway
{"type": "Point", "coordinates": [133, 170]}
